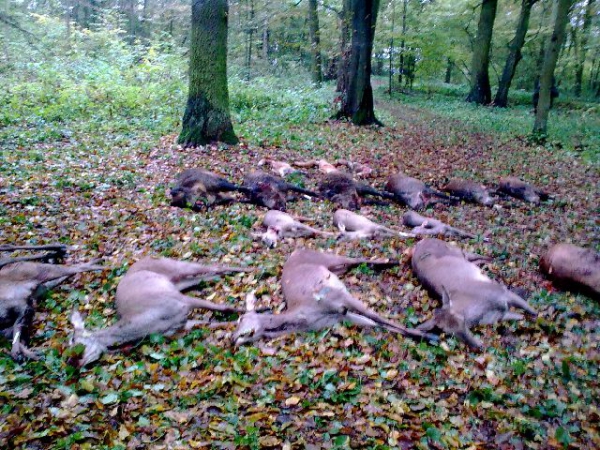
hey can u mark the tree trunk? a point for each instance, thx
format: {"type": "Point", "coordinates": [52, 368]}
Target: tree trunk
{"type": "Point", "coordinates": [481, 92]}
{"type": "Point", "coordinates": [315, 45]}
{"type": "Point", "coordinates": [346, 22]}
{"type": "Point", "coordinates": [449, 65]}
{"type": "Point", "coordinates": [265, 41]}
{"type": "Point", "coordinates": [391, 52]}
{"type": "Point", "coordinates": [206, 117]}
{"type": "Point", "coordinates": [402, 43]}
{"type": "Point", "coordinates": [514, 54]}
{"type": "Point", "coordinates": [357, 103]}
{"type": "Point", "coordinates": [560, 15]}
{"type": "Point", "coordinates": [587, 20]}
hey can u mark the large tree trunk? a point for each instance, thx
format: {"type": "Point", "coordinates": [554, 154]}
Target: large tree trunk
{"type": "Point", "coordinates": [449, 65]}
{"type": "Point", "coordinates": [481, 92]}
{"type": "Point", "coordinates": [587, 20]}
{"type": "Point", "coordinates": [315, 45]}
{"type": "Point", "coordinates": [206, 117]}
{"type": "Point", "coordinates": [357, 101]}
{"type": "Point", "coordinates": [560, 15]}
{"type": "Point", "coordinates": [346, 22]}
{"type": "Point", "coordinates": [514, 54]}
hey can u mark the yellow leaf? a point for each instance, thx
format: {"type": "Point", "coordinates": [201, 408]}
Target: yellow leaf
{"type": "Point", "coordinates": [292, 401]}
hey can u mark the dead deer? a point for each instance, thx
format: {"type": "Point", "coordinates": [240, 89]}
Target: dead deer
{"type": "Point", "coordinates": [468, 296]}
{"type": "Point", "coordinates": [412, 192]}
{"type": "Point", "coordinates": [316, 298]}
{"type": "Point", "coordinates": [279, 167]}
{"type": "Point", "coordinates": [469, 191]}
{"type": "Point", "coordinates": [282, 225]}
{"type": "Point", "coordinates": [341, 189]}
{"type": "Point", "coordinates": [22, 282]}
{"type": "Point", "coordinates": [517, 188]}
{"type": "Point", "coordinates": [149, 300]}
{"type": "Point", "coordinates": [429, 226]}
{"type": "Point", "coordinates": [355, 226]}
{"type": "Point", "coordinates": [197, 188]}
{"type": "Point", "coordinates": [270, 190]}
{"type": "Point", "coordinates": [574, 267]}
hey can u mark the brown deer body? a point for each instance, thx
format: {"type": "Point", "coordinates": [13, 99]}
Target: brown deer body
{"type": "Point", "coordinates": [412, 192]}
{"type": "Point", "coordinates": [574, 267]}
{"type": "Point", "coordinates": [468, 296]}
{"type": "Point", "coordinates": [355, 226]}
{"type": "Point", "coordinates": [149, 300]}
{"type": "Point", "coordinates": [469, 191]}
{"type": "Point", "coordinates": [315, 298]}
{"type": "Point", "coordinates": [20, 284]}
{"type": "Point", "coordinates": [517, 188]}
{"type": "Point", "coordinates": [270, 191]}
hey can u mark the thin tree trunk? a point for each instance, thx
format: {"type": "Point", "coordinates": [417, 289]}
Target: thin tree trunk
{"type": "Point", "coordinates": [585, 30]}
{"type": "Point", "coordinates": [560, 15]}
{"type": "Point", "coordinates": [206, 117]}
{"type": "Point", "coordinates": [402, 43]}
{"type": "Point", "coordinates": [315, 45]}
{"type": "Point", "coordinates": [357, 103]}
{"type": "Point", "coordinates": [391, 55]}
{"type": "Point", "coordinates": [481, 92]}
{"type": "Point", "coordinates": [346, 23]}
{"type": "Point", "coordinates": [250, 39]}
{"type": "Point", "coordinates": [514, 54]}
{"type": "Point", "coordinates": [449, 65]}
{"type": "Point", "coordinates": [265, 41]}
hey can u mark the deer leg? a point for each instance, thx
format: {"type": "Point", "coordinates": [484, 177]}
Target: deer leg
{"type": "Point", "coordinates": [512, 316]}
{"type": "Point", "coordinates": [428, 325]}
{"type": "Point", "coordinates": [190, 324]}
{"type": "Point", "coordinates": [518, 302]}
{"type": "Point", "coordinates": [468, 337]}
{"type": "Point", "coordinates": [20, 330]}
{"type": "Point", "coordinates": [194, 302]}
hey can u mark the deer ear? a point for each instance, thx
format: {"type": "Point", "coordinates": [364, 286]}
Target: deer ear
{"type": "Point", "coordinates": [250, 301]}
{"type": "Point", "coordinates": [77, 320]}
{"type": "Point", "coordinates": [446, 300]}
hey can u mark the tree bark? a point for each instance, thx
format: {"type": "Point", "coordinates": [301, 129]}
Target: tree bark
{"type": "Point", "coordinates": [206, 117]}
{"type": "Point", "coordinates": [346, 22]}
{"type": "Point", "coordinates": [315, 45]}
{"type": "Point", "coordinates": [449, 65]}
{"type": "Point", "coordinates": [560, 16]}
{"type": "Point", "coordinates": [585, 29]}
{"type": "Point", "coordinates": [514, 54]}
{"type": "Point", "coordinates": [481, 92]}
{"type": "Point", "coordinates": [357, 101]}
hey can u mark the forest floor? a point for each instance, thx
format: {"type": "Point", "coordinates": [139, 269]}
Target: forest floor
{"type": "Point", "coordinates": [536, 385]}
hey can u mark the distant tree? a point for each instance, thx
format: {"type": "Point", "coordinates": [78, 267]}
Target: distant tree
{"type": "Point", "coordinates": [514, 54]}
{"type": "Point", "coordinates": [315, 45]}
{"type": "Point", "coordinates": [481, 92]}
{"type": "Point", "coordinates": [206, 117]}
{"type": "Point", "coordinates": [560, 15]}
{"type": "Point", "coordinates": [357, 99]}
{"type": "Point", "coordinates": [583, 43]}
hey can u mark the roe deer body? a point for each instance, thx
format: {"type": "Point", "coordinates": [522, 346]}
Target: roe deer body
{"type": "Point", "coordinates": [412, 192]}
{"type": "Point", "coordinates": [468, 296]}
{"type": "Point", "coordinates": [573, 267]}
{"type": "Point", "coordinates": [282, 225]}
{"type": "Point", "coordinates": [355, 226]}
{"type": "Point", "coordinates": [429, 226]}
{"type": "Point", "coordinates": [315, 298]}
{"type": "Point", "coordinates": [517, 188]}
{"type": "Point", "coordinates": [149, 300]}
{"type": "Point", "coordinates": [20, 284]}
{"type": "Point", "coordinates": [469, 191]}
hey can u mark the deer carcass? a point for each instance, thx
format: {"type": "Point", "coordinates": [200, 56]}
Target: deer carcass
{"type": "Point", "coordinates": [270, 190]}
{"type": "Point", "coordinates": [282, 225]}
{"type": "Point", "coordinates": [468, 296]}
{"type": "Point", "coordinates": [573, 267]}
{"type": "Point", "coordinates": [340, 188]}
{"type": "Point", "coordinates": [21, 283]}
{"type": "Point", "coordinates": [316, 298]}
{"type": "Point", "coordinates": [149, 300]}
{"type": "Point", "coordinates": [355, 226]}
{"type": "Point", "coordinates": [469, 191]}
{"type": "Point", "coordinates": [517, 188]}
{"type": "Point", "coordinates": [196, 188]}
{"type": "Point", "coordinates": [429, 226]}
{"type": "Point", "coordinates": [413, 192]}
{"type": "Point", "coordinates": [279, 167]}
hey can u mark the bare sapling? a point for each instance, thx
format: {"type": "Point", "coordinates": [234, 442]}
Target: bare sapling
{"type": "Point", "coordinates": [281, 225]}
{"type": "Point", "coordinates": [469, 191]}
{"type": "Point", "coordinates": [573, 267]}
{"type": "Point", "coordinates": [315, 298]}
{"type": "Point", "coordinates": [413, 193]}
{"type": "Point", "coordinates": [354, 226]}
{"type": "Point", "coordinates": [149, 300]}
{"type": "Point", "coordinates": [21, 284]}
{"type": "Point", "coordinates": [518, 188]}
{"type": "Point", "coordinates": [199, 188]}
{"type": "Point", "coordinates": [428, 226]}
{"type": "Point", "coordinates": [469, 297]}
{"type": "Point", "coordinates": [271, 191]}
